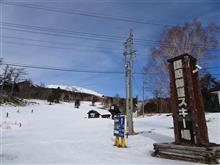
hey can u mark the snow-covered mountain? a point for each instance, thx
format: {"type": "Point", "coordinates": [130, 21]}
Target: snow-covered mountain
{"type": "Point", "coordinates": [76, 89]}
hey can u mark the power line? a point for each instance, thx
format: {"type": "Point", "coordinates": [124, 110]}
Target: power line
{"type": "Point", "coordinates": [88, 14]}
{"type": "Point", "coordinates": [58, 43]}
{"type": "Point", "coordinates": [62, 69]}
{"type": "Point", "coordinates": [55, 47]}
{"type": "Point", "coordinates": [82, 35]}
{"type": "Point", "coordinates": [74, 34]}
{"type": "Point", "coordinates": [79, 37]}
{"type": "Point", "coordinates": [78, 70]}
{"type": "Point", "coordinates": [84, 13]}
{"type": "Point", "coordinates": [70, 70]}
{"type": "Point", "coordinates": [66, 48]}
{"type": "Point", "coordinates": [63, 36]}
{"type": "Point", "coordinates": [59, 35]}
{"type": "Point", "coordinates": [64, 31]}
{"type": "Point", "coordinates": [104, 49]}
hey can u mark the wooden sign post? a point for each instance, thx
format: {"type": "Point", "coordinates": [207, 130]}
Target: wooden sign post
{"type": "Point", "coordinates": [190, 130]}
{"type": "Point", "coordinates": [187, 103]}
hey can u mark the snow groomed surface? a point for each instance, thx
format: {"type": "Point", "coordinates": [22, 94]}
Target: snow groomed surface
{"type": "Point", "coordinates": [62, 134]}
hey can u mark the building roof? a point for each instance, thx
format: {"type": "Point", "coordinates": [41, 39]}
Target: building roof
{"type": "Point", "coordinates": [101, 112]}
{"type": "Point", "coordinates": [215, 90]}
{"type": "Point", "coordinates": [181, 57]}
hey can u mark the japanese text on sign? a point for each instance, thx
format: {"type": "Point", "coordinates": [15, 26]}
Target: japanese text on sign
{"type": "Point", "coordinates": [180, 88]}
{"type": "Point", "coordinates": [119, 126]}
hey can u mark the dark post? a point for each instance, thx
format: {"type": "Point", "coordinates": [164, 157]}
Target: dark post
{"type": "Point", "coordinates": [187, 103]}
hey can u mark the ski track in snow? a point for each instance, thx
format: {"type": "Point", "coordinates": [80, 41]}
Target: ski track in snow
{"type": "Point", "coordinates": [62, 134]}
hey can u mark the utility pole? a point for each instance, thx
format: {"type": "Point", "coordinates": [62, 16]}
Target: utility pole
{"type": "Point", "coordinates": [130, 116]}
{"type": "Point", "coordinates": [126, 77]}
{"type": "Point", "coordinates": [143, 98]}
{"type": "Point", "coordinates": [128, 82]}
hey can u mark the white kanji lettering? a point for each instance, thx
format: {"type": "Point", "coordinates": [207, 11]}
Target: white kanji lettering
{"type": "Point", "coordinates": [178, 73]}
{"type": "Point", "coordinates": [179, 83]}
{"type": "Point", "coordinates": [177, 64]}
{"type": "Point", "coordinates": [180, 92]}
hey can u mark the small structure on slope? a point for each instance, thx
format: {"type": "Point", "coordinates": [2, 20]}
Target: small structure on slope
{"type": "Point", "coordinates": [98, 114]}
{"type": "Point", "coordinates": [216, 90]}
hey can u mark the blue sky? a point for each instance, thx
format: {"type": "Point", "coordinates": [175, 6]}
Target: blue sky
{"type": "Point", "coordinates": [85, 54]}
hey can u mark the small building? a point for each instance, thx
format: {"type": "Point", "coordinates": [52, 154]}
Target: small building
{"type": "Point", "coordinates": [216, 90]}
{"type": "Point", "coordinates": [98, 114]}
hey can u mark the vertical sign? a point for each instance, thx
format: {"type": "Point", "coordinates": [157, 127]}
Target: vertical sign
{"type": "Point", "coordinates": [187, 105]}
{"type": "Point", "coordinates": [116, 126]}
{"type": "Point", "coordinates": [119, 131]}
{"type": "Point", "coordinates": [183, 113]}
{"type": "Point", "coordinates": [119, 126]}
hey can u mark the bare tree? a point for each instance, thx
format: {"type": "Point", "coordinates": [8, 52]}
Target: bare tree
{"type": "Point", "coordinates": [5, 77]}
{"type": "Point", "coordinates": [10, 77]}
{"type": "Point", "coordinates": [17, 75]}
{"type": "Point", "coordinates": [192, 38]}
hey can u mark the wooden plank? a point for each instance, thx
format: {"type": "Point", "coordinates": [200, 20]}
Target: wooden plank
{"type": "Point", "coordinates": [181, 147]}
{"type": "Point", "coordinates": [192, 158]}
{"type": "Point", "coordinates": [182, 155]}
{"type": "Point", "coordinates": [187, 153]}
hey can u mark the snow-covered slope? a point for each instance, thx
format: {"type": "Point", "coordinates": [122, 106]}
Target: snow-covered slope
{"type": "Point", "coordinates": [75, 89]}
{"type": "Point", "coordinates": [62, 134]}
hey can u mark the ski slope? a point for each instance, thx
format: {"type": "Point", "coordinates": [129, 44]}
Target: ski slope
{"type": "Point", "coordinates": [75, 89]}
{"type": "Point", "coordinates": [62, 134]}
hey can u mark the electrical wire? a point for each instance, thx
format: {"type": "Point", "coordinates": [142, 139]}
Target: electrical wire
{"type": "Point", "coordinates": [74, 70]}
{"type": "Point", "coordinates": [85, 13]}
{"type": "Point", "coordinates": [69, 69]}
{"type": "Point", "coordinates": [82, 35]}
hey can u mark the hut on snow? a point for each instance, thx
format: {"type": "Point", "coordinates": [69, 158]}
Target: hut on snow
{"type": "Point", "coordinates": [99, 114]}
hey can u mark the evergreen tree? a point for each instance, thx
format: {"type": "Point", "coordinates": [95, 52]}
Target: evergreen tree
{"type": "Point", "coordinates": [77, 103]}
{"type": "Point", "coordinates": [66, 98]}
{"type": "Point", "coordinates": [50, 99]}
{"type": "Point", "coordinates": [150, 107]}
{"type": "Point", "coordinates": [56, 95]}
{"type": "Point", "coordinates": [94, 99]}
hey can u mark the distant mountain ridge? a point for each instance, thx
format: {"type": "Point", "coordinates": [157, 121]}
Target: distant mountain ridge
{"type": "Point", "coordinates": [75, 89]}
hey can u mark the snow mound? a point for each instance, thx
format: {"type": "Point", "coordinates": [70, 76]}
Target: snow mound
{"type": "Point", "coordinates": [76, 89]}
